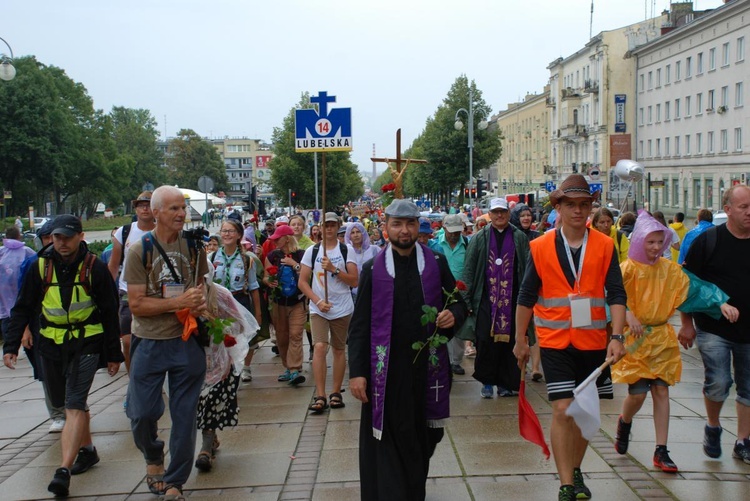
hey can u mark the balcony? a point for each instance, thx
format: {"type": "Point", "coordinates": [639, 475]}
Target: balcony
{"type": "Point", "coordinates": [570, 93]}
{"type": "Point", "coordinates": [550, 102]}
{"type": "Point", "coordinates": [591, 87]}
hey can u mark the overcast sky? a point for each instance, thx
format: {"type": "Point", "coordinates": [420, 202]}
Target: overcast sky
{"type": "Point", "coordinates": [235, 68]}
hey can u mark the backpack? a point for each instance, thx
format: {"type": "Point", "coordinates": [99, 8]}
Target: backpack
{"type": "Point", "coordinates": [287, 281]}
{"type": "Point", "coordinates": [125, 233]}
{"type": "Point", "coordinates": [147, 241]}
{"type": "Point", "coordinates": [84, 277]}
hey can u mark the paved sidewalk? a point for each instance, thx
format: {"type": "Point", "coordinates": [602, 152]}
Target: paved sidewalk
{"type": "Point", "coordinates": [279, 451]}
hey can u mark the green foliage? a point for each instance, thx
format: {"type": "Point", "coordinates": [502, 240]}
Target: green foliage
{"type": "Point", "coordinates": [216, 328]}
{"type": "Point", "coordinates": [98, 246]}
{"type": "Point", "coordinates": [191, 157]}
{"type": "Point", "coordinates": [296, 171]}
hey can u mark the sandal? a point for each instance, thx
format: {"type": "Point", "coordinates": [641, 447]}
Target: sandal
{"type": "Point", "coordinates": [318, 405]}
{"type": "Point", "coordinates": [172, 497]}
{"type": "Point", "coordinates": [337, 401]}
{"type": "Point", "coordinates": [203, 463]}
{"type": "Point", "coordinates": [152, 479]}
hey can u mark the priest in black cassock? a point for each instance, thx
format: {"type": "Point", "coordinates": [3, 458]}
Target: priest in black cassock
{"type": "Point", "coordinates": [405, 392]}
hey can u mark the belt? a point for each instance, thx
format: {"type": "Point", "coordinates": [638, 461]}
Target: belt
{"type": "Point", "coordinates": [244, 293]}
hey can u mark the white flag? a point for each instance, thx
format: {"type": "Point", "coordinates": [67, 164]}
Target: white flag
{"type": "Point", "coordinates": [585, 406]}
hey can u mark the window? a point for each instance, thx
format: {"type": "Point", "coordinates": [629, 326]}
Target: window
{"type": "Point", "coordinates": [640, 149]}
{"type": "Point", "coordinates": [666, 111]}
{"type": "Point", "coordinates": [710, 142]}
{"type": "Point", "coordinates": [666, 147]}
{"type": "Point", "coordinates": [650, 115]}
{"type": "Point", "coordinates": [710, 103]}
{"type": "Point", "coordinates": [738, 139]}
{"type": "Point", "coordinates": [709, 201]}
{"type": "Point", "coordinates": [668, 74]}
{"type": "Point", "coordinates": [648, 149]}
{"type": "Point", "coordinates": [658, 147]}
{"type": "Point", "coordinates": [675, 192]}
{"type": "Point", "coordinates": [697, 193]}
{"type": "Point", "coordinates": [699, 64]}
{"type": "Point", "coordinates": [677, 71]}
{"type": "Point", "coordinates": [658, 78]}
{"type": "Point", "coordinates": [658, 113]}
{"type": "Point", "coordinates": [688, 67]}
{"type": "Point", "coordinates": [665, 193]}
{"type": "Point", "coordinates": [712, 59]}
{"type": "Point", "coordinates": [699, 103]}
{"type": "Point", "coordinates": [687, 144]}
{"type": "Point", "coordinates": [643, 82]}
{"type": "Point", "coordinates": [725, 54]}
{"type": "Point", "coordinates": [740, 49]}
{"type": "Point", "coordinates": [687, 106]}
{"type": "Point", "coordinates": [650, 80]}
{"type": "Point", "coordinates": [698, 143]}
{"type": "Point", "coordinates": [724, 139]}
{"type": "Point", "coordinates": [677, 146]}
{"type": "Point", "coordinates": [725, 96]}
{"type": "Point", "coordinates": [676, 109]}
{"type": "Point", "coordinates": [640, 116]}
{"type": "Point", "coordinates": [739, 98]}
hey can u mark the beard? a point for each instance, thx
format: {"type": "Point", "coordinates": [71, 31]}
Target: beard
{"type": "Point", "coordinates": [404, 245]}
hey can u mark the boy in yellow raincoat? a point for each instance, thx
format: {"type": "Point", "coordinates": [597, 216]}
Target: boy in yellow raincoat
{"type": "Point", "coordinates": [655, 288]}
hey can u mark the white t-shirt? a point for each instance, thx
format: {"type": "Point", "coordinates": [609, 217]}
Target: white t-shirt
{"type": "Point", "coordinates": [134, 236]}
{"type": "Point", "coordinates": [339, 294]}
{"type": "Point", "coordinates": [675, 240]}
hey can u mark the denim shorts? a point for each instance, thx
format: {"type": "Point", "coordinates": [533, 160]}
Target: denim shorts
{"type": "Point", "coordinates": [719, 357]}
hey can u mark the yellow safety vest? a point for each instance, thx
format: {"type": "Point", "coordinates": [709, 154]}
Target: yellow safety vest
{"type": "Point", "coordinates": [58, 321]}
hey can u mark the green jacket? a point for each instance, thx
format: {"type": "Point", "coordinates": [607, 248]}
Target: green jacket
{"type": "Point", "coordinates": [474, 275]}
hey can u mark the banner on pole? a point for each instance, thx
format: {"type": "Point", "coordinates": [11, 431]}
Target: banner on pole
{"type": "Point", "coordinates": [324, 129]}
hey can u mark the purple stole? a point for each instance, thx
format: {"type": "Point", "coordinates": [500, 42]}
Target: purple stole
{"type": "Point", "coordinates": [438, 377]}
{"type": "Point", "coordinates": [500, 284]}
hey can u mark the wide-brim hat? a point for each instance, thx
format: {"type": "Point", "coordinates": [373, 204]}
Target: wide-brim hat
{"type": "Point", "coordinates": [574, 186]}
{"type": "Point", "coordinates": [145, 196]}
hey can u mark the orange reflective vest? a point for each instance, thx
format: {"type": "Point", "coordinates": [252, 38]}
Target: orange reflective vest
{"type": "Point", "coordinates": [552, 315]}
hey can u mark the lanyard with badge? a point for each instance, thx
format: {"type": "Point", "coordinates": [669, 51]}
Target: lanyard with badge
{"type": "Point", "coordinates": [174, 289]}
{"type": "Point", "coordinates": [580, 304]}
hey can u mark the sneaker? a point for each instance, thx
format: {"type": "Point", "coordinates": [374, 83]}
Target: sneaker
{"type": "Point", "coordinates": [567, 493]}
{"type": "Point", "coordinates": [296, 378]}
{"type": "Point", "coordinates": [504, 392]}
{"type": "Point", "coordinates": [60, 484]}
{"type": "Point", "coordinates": [580, 489]}
{"type": "Point", "coordinates": [742, 451]}
{"type": "Point", "coordinates": [57, 425]}
{"type": "Point", "coordinates": [622, 439]}
{"type": "Point", "coordinates": [275, 349]}
{"type": "Point", "coordinates": [247, 375]}
{"type": "Point", "coordinates": [712, 441]}
{"type": "Point", "coordinates": [283, 378]}
{"type": "Point", "coordinates": [85, 460]}
{"type": "Point", "coordinates": [457, 369]}
{"type": "Point", "coordinates": [663, 461]}
{"type": "Point", "coordinates": [486, 391]}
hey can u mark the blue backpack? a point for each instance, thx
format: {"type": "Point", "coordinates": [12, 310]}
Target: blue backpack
{"type": "Point", "coordinates": [287, 281]}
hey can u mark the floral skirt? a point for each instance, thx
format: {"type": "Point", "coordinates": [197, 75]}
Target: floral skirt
{"type": "Point", "coordinates": [217, 406]}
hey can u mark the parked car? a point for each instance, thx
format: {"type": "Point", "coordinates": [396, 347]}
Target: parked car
{"type": "Point", "coordinates": [720, 218]}
{"type": "Point", "coordinates": [40, 221]}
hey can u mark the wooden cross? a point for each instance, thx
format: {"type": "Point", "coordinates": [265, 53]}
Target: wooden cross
{"type": "Point", "coordinates": [397, 173]}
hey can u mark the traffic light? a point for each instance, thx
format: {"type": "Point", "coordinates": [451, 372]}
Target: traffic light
{"type": "Point", "coordinates": [466, 192]}
{"type": "Point", "coordinates": [481, 188]}
{"type": "Point", "coordinates": [473, 193]}
{"type": "Point", "coordinates": [294, 198]}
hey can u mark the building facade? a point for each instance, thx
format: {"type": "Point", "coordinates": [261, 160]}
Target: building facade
{"type": "Point", "coordinates": [692, 128]}
{"type": "Point", "coordinates": [525, 132]}
{"type": "Point", "coordinates": [246, 161]}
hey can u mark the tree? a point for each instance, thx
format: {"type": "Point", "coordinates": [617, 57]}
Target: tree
{"type": "Point", "coordinates": [190, 157]}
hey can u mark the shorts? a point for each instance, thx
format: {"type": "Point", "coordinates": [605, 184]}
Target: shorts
{"type": "Point", "coordinates": [565, 369]}
{"type": "Point", "coordinates": [644, 385]}
{"type": "Point", "coordinates": [338, 328]}
{"type": "Point", "coordinates": [720, 356]}
{"type": "Point", "coordinates": [63, 389]}
{"type": "Point", "coordinates": [126, 318]}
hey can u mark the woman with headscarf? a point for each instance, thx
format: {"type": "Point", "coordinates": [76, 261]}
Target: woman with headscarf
{"type": "Point", "coordinates": [357, 238]}
{"type": "Point", "coordinates": [656, 287]}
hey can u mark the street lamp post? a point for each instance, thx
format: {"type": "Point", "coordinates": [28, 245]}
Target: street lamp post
{"type": "Point", "coordinates": [459, 125]}
{"type": "Point", "coordinates": [7, 71]}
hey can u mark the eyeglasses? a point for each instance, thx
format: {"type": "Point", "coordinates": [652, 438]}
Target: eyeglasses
{"type": "Point", "coordinates": [227, 232]}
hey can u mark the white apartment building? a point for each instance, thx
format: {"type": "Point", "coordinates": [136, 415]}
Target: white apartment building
{"type": "Point", "coordinates": [692, 127]}
{"type": "Point", "coordinates": [246, 161]}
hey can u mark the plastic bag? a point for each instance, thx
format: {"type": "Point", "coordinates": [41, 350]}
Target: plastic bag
{"type": "Point", "coordinates": [703, 297]}
{"type": "Point", "coordinates": [217, 364]}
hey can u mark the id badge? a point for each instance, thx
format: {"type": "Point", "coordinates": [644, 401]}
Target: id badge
{"type": "Point", "coordinates": [171, 290]}
{"type": "Point", "coordinates": [580, 310]}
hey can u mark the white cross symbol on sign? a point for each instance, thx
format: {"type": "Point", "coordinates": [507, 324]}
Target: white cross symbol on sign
{"type": "Point", "coordinates": [437, 389]}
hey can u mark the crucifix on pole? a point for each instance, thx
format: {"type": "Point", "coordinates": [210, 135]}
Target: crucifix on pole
{"type": "Point", "coordinates": [397, 173]}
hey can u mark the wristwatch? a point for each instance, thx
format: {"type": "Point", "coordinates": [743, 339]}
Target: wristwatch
{"type": "Point", "coordinates": [617, 337]}
{"type": "Point", "coordinates": [297, 267]}
{"type": "Point", "coordinates": [336, 273]}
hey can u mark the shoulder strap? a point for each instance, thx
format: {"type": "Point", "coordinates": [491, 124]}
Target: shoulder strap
{"type": "Point", "coordinates": [147, 241]}
{"type": "Point", "coordinates": [125, 234]}
{"type": "Point", "coordinates": [47, 276]}
{"type": "Point", "coordinates": [344, 252]}
{"type": "Point", "coordinates": [212, 256]}
{"type": "Point", "coordinates": [84, 277]}
{"type": "Point", "coordinates": [316, 249]}
{"type": "Point", "coordinates": [712, 236]}
{"type": "Point", "coordinates": [619, 239]}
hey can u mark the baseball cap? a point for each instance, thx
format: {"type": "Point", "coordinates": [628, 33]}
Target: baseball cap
{"type": "Point", "coordinates": [453, 223]}
{"type": "Point", "coordinates": [282, 220]}
{"type": "Point", "coordinates": [282, 231]}
{"type": "Point", "coordinates": [66, 224]}
{"type": "Point", "coordinates": [46, 228]}
{"type": "Point", "coordinates": [498, 204]}
{"type": "Point", "coordinates": [331, 217]}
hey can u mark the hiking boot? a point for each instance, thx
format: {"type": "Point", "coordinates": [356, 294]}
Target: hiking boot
{"type": "Point", "coordinates": [622, 439]}
{"type": "Point", "coordinates": [579, 488]}
{"type": "Point", "coordinates": [663, 461]}
{"type": "Point", "coordinates": [247, 375]}
{"type": "Point", "coordinates": [486, 391]}
{"type": "Point", "coordinates": [296, 378]}
{"type": "Point", "coordinates": [712, 441]}
{"type": "Point", "coordinates": [567, 493]}
{"type": "Point", "coordinates": [742, 451]}
{"type": "Point", "coordinates": [85, 460]}
{"type": "Point", "coordinates": [283, 378]}
{"type": "Point", "coordinates": [60, 484]}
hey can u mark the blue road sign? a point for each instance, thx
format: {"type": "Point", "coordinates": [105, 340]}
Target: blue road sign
{"type": "Point", "coordinates": [323, 130]}
{"type": "Point", "coordinates": [594, 187]}
{"type": "Point", "coordinates": [550, 186]}
{"type": "Point", "coordinates": [423, 204]}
